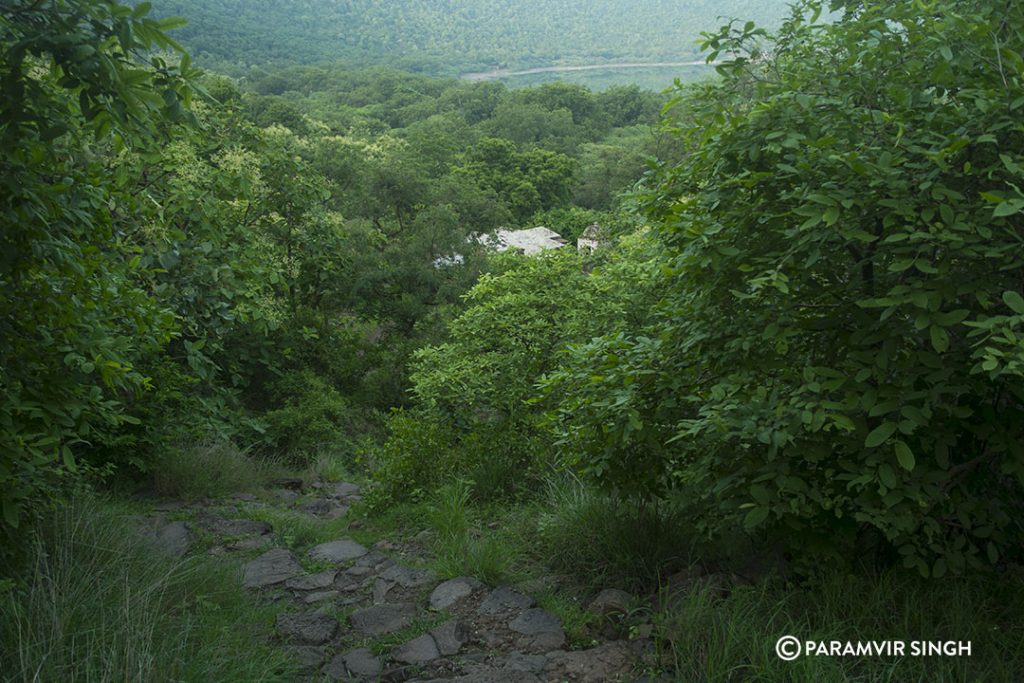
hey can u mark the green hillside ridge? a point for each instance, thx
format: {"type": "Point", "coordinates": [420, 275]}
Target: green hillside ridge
{"type": "Point", "coordinates": [447, 38]}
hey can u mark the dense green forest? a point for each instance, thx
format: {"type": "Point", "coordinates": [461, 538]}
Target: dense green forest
{"type": "Point", "coordinates": [446, 38]}
{"type": "Point", "coordinates": [781, 396]}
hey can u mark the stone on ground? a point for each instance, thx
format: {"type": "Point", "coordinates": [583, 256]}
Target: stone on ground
{"type": "Point", "coordinates": [309, 656]}
{"type": "Point", "coordinates": [272, 567]}
{"type": "Point", "coordinates": [543, 630]}
{"type": "Point", "coordinates": [312, 582]}
{"type": "Point", "coordinates": [450, 637]}
{"type": "Point", "coordinates": [380, 619]}
{"type": "Point", "coordinates": [407, 577]}
{"type": "Point", "coordinates": [313, 628]}
{"type": "Point", "coordinates": [320, 596]}
{"type": "Point", "coordinates": [173, 539]}
{"type": "Point", "coordinates": [505, 599]}
{"type": "Point", "coordinates": [232, 527]}
{"type": "Point", "coordinates": [417, 651]}
{"type": "Point", "coordinates": [357, 664]}
{"type": "Point", "coordinates": [453, 590]}
{"type": "Point", "coordinates": [611, 601]}
{"type": "Point", "coordinates": [341, 550]}
{"type": "Point", "coordinates": [606, 662]}
{"type": "Point", "coordinates": [343, 489]}
{"type": "Point", "coordinates": [517, 661]}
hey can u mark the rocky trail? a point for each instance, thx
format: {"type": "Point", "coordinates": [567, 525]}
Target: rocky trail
{"type": "Point", "coordinates": [350, 612]}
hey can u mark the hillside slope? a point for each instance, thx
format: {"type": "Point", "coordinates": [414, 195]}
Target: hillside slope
{"type": "Point", "coordinates": [447, 36]}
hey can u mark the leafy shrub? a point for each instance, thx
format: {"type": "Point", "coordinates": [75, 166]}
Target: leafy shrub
{"type": "Point", "coordinates": [837, 358]}
{"type": "Point", "coordinates": [315, 417]}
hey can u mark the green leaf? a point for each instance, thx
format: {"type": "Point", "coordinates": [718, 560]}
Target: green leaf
{"type": "Point", "coordinates": [904, 456]}
{"type": "Point", "coordinates": [880, 434]}
{"type": "Point", "coordinates": [940, 339]}
{"type": "Point", "coordinates": [755, 517]}
{"type": "Point", "coordinates": [1014, 301]}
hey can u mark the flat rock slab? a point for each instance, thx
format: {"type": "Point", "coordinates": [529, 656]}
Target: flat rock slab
{"type": "Point", "coordinates": [534, 621]}
{"type": "Point", "coordinates": [173, 539]}
{"type": "Point", "coordinates": [312, 582]}
{"type": "Point", "coordinates": [233, 527]}
{"type": "Point", "coordinates": [342, 550]}
{"type": "Point", "coordinates": [380, 619]}
{"type": "Point", "coordinates": [453, 590]}
{"type": "Point", "coordinates": [533, 664]}
{"type": "Point", "coordinates": [313, 628]}
{"type": "Point", "coordinates": [343, 489]}
{"type": "Point", "coordinates": [270, 568]}
{"type": "Point", "coordinates": [505, 599]}
{"type": "Point", "coordinates": [417, 651]}
{"type": "Point", "coordinates": [606, 662]}
{"type": "Point", "coordinates": [450, 637]}
{"type": "Point", "coordinates": [490, 675]}
{"type": "Point", "coordinates": [309, 656]}
{"type": "Point", "coordinates": [407, 577]}
{"type": "Point", "coordinates": [319, 596]}
{"type": "Point", "coordinates": [358, 664]}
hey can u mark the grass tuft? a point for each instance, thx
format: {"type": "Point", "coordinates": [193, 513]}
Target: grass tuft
{"type": "Point", "coordinates": [98, 604]}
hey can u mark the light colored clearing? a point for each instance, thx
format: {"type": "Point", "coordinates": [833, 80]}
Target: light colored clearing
{"type": "Point", "coordinates": [507, 73]}
{"type": "Point", "coordinates": [531, 241]}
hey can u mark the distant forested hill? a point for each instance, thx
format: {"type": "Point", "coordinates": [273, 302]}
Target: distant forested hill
{"type": "Point", "coordinates": [447, 36]}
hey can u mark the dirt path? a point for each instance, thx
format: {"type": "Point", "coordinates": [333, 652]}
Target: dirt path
{"type": "Point", "coordinates": [508, 73]}
{"type": "Point", "coordinates": [349, 612]}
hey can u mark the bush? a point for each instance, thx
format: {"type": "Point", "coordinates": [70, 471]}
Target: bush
{"type": "Point", "coordinates": [837, 359]}
{"type": "Point", "coordinates": [314, 418]}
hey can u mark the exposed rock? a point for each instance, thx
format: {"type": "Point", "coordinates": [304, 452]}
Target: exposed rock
{"type": "Point", "coordinates": [611, 601]}
{"type": "Point", "coordinates": [417, 651]}
{"type": "Point", "coordinates": [343, 489]}
{"type": "Point", "coordinates": [505, 599]}
{"type": "Point", "coordinates": [341, 550]}
{"type": "Point", "coordinates": [490, 675]}
{"type": "Point", "coordinates": [320, 596]}
{"type": "Point", "coordinates": [312, 582]}
{"type": "Point", "coordinates": [173, 539]}
{"type": "Point", "coordinates": [534, 621]}
{"type": "Point", "coordinates": [453, 590]}
{"type": "Point", "coordinates": [360, 664]}
{"type": "Point", "coordinates": [272, 567]}
{"type": "Point", "coordinates": [320, 507]}
{"type": "Point", "coordinates": [380, 590]}
{"type": "Point", "coordinates": [309, 656]}
{"type": "Point", "coordinates": [232, 527]}
{"type": "Point", "coordinates": [253, 543]}
{"type": "Point", "coordinates": [375, 560]}
{"type": "Point", "coordinates": [313, 628]}
{"type": "Point", "coordinates": [407, 577]}
{"type": "Point", "coordinates": [450, 637]}
{"type": "Point", "coordinates": [288, 497]}
{"type": "Point", "coordinates": [379, 619]}
{"type": "Point", "coordinates": [543, 630]}
{"type": "Point", "coordinates": [606, 662]}
{"type": "Point", "coordinates": [293, 483]}
{"type": "Point", "coordinates": [533, 664]}
{"type": "Point", "coordinates": [358, 571]}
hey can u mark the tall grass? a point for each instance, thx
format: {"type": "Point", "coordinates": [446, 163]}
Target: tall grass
{"type": "Point", "coordinates": [603, 541]}
{"type": "Point", "coordinates": [461, 550]}
{"type": "Point", "coordinates": [96, 603]}
{"type": "Point", "coordinates": [703, 638]}
{"type": "Point", "coordinates": [207, 469]}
